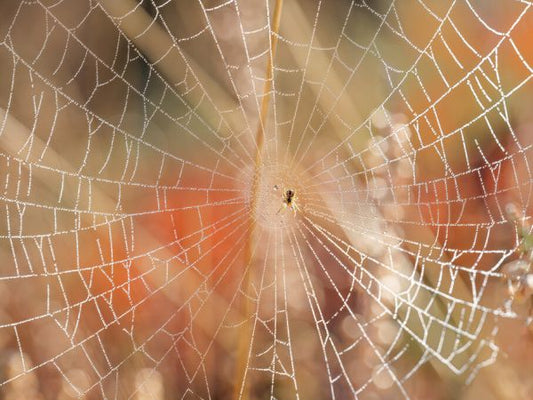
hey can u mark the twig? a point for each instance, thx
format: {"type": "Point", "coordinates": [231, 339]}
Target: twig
{"type": "Point", "coordinates": [241, 387]}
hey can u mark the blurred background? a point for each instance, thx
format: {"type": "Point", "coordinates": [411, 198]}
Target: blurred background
{"type": "Point", "coordinates": [148, 251]}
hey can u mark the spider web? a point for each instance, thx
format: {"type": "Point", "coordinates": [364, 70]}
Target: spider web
{"type": "Point", "coordinates": [147, 250]}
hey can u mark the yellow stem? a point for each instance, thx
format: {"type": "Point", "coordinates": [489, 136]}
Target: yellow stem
{"type": "Point", "coordinates": [241, 387]}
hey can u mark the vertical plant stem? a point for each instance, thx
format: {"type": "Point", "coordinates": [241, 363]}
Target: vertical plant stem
{"type": "Point", "coordinates": [241, 385]}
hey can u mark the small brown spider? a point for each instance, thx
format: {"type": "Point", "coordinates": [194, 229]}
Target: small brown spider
{"type": "Point", "coordinates": [289, 200]}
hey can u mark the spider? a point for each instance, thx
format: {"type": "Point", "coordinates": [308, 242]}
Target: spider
{"type": "Point", "coordinates": [289, 200]}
